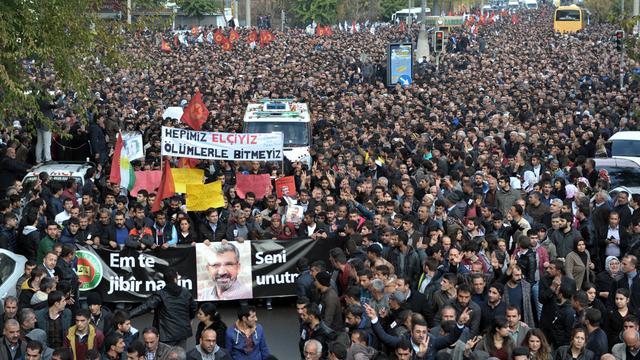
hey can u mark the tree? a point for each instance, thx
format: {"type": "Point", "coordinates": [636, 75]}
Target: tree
{"type": "Point", "coordinates": [359, 10]}
{"type": "Point", "coordinates": [322, 11]}
{"type": "Point", "coordinates": [198, 8]}
{"type": "Point", "coordinates": [48, 45]}
{"type": "Point", "coordinates": [391, 6]}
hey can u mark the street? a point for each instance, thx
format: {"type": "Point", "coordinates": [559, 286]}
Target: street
{"type": "Point", "coordinates": [280, 325]}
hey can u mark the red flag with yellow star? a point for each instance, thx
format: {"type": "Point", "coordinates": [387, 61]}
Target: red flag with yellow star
{"type": "Point", "coordinates": [218, 37]}
{"type": "Point", "coordinates": [226, 45]}
{"type": "Point", "coordinates": [196, 113]}
{"type": "Point", "coordinates": [265, 37]}
{"type": "Point", "coordinates": [233, 35]}
{"type": "Point", "coordinates": [165, 46]}
{"type": "Point", "coordinates": [253, 36]}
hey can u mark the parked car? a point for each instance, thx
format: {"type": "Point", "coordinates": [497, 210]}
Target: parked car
{"type": "Point", "coordinates": [624, 173]}
{"type": "Point", "coordinates": [11, 268]}
{"type": "Point", "coordinates": [60, 171]}
{"type": "Point", "coordinates": [625, 145]}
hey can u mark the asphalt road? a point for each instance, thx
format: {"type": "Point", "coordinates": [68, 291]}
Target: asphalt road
{"type": "Point", "coordinates": [280, 324]}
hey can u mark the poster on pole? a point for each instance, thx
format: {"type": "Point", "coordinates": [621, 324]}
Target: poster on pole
{"type": "Point", "coordinates": [400, 64]}
{"type": "Point", "coordinates": [222, 146]}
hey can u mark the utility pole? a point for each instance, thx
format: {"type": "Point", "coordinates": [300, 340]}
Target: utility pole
{"type": "Point", "coordinates": [282, 15]}
{"type": "Point", "coordinates": [247, 13]}
{"type": "Point", "coordinates": [636, 13]}
{"type": "Point", "coordinates": [410, 18]}
{"type": "Point", "coordinates": [235, 13]}
{"type": "Point", "coordinates": [423, 50]}
{"type": "Point", "coordinates": [129, 12]}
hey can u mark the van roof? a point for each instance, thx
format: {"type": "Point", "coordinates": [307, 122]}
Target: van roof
{"type": "Point", "coordinates": [277, 111]}
{"type": "Point", "coordinates": [65, 169]}
{"type": "Point", "coordinates": [626, 135]}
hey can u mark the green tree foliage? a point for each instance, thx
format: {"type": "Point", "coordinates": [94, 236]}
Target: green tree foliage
{"type": "Point", "coordinates": [391, 6]}
{"type": "Point", "coordinates": [322, 11]}
{"type": "Point", "coordinates": [199, 8]}
{"type": "Point", "coordinates": [47, 44]}
{"type": "Point", "coordinates": [62, 40]}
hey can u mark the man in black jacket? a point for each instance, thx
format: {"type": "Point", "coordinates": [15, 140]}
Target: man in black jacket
{"type": "Point", "coordinates": [174, 308]}
{"type": "Point", "coordinates": [549, 285]}
{"type": "Point", "coordinates": [565, 317]}
{"type": "Point", "coordinates": [315, 328]}
{"type": "Point", "coordinates": [212, 229]}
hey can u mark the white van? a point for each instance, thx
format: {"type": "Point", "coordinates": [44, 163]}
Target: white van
{"type": "Point", "coordinates": [290, 118]}
{"type": "Point", "coordinates": [626, 145]}
{"type": "Point", "coordinates": [531, 4]}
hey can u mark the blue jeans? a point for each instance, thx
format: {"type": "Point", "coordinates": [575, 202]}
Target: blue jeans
{"type": "Point", "coordinates": [535, 291]}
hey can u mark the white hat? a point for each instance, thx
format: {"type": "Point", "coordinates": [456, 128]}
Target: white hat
{"type": "Point", "coordinates": [17, 125]}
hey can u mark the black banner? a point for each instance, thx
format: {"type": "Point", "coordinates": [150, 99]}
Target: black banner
{"type": "Point", "coordinates": [129, 275]}
{"type": "Point", "coordinates": [217, 272]}
{"type": "Point", "coordinates": [274, 263]}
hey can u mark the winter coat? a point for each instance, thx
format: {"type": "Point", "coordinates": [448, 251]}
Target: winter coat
{"type": "Point", "coordinates": [564, 353]}
{"type": "Point", "coordinates": [174, 308]}
{"type": "Point", "coordinates": [578, 270]}
{"type": "Point", "coordinates": [28, 244]}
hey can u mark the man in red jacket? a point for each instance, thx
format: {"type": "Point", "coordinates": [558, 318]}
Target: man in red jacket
{"type": "Point", "coordinates": [83, 336]}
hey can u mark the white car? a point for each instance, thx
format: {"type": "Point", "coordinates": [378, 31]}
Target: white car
{"type": "Point", "coordinates": [11, 268]}
{"type": "Point", "coordinates": [626, 145]}
{"type": "Point", "coordinates": [60, 171]}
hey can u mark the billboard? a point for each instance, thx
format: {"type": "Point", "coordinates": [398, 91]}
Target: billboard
{"type": "Point", "coordinates": [400, 64]}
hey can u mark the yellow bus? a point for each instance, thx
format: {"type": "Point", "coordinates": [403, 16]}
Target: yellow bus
{"type": "Point", "coordinates": [570, 18]}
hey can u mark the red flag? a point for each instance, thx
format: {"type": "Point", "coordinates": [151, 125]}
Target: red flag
{"type": "Point", "coordinates": [265, 37]}
{"type": "Point", "coordinates": [514, 19]}
{"type": "Point", "coordinates": [481, 22]}
{"type": "Point", "coordinates": [253, 36]}
{"type": "Point", "coordinates": [176, 42]}
{"type": "Point", "coordinates": [165, 46]}
{"type": "Point", "coordinates": [114, 175]}
{"type": "Point", "coordinates": [166, 188]}
{"type": "Point", "coordinates": [233, 35]}
{"type": "Point", "coordinates": [226, 45]}
{"type": "Point", "coordinates": [328, 31]}
{"type": "Point", "coordinates": [353, 26]}
{"type": "Point", "coordinates": [196, 113]}
{"type": "Point", "coordinates": [218, 37]}
{"type": "Point", "coordinates": [450, 13]}
{"type": "Point", "coordinates": [319, 30]}
{"type": "Point", "coordinates": [402, 26]}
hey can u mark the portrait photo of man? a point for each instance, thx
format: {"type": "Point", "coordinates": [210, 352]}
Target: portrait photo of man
{"type": "Point", "coordinates": [228, 271]}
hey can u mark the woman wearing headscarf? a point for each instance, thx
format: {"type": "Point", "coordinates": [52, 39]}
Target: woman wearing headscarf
{"type": "Point", "coordinates": [578, 263]}
{"type": "Point", "coordinates": [610, 275]}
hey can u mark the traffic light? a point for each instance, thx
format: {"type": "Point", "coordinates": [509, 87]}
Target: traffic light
{"type": "Point", "coordinates": [619, 38]}
{"type": "Point", "coordinates": [439, 42]}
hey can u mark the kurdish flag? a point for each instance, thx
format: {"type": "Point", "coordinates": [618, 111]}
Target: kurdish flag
{"type": "Point", "coordinates": [121, 170]}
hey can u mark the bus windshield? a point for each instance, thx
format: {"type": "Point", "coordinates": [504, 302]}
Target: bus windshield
{"type": "Point", "coordinates": [568, 15]}
{"type": "Point", "coordinates": [295, 134]}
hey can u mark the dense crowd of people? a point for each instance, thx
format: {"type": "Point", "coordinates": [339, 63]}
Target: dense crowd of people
{"type": "Point", "coordinates": [472, 221]}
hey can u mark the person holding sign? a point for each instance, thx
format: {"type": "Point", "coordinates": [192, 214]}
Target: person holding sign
{"type": "Point", "coordinates": [223, 264]}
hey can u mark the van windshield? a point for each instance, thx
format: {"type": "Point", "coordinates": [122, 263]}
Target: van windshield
{"type": "Point", "coordinates": [625, 148]}
{"type": "Point", "coordinates": [295, 134]}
